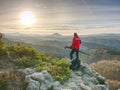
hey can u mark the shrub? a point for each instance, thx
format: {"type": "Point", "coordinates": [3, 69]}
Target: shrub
{"type": "Point", "coordinates": [1, 43]}
{"type": "Point", "coordinates": [114, 84]}
{"type": "Point", "coordinates": [110, 70]}
{"type": "Point", "coordinates": [25, 62]}
{"type": "Point", "coordinates": [12, 80]}
{"type": "Point", "coordinates": [24, 56]}
{"type": "Point", "coordinates": [18, 51]}
{"type": "Point", "coordinates": [3, 52]}
{"type": "Point", "coordinates": [3, 81]}
{"type": "Point", "coordinates": [58, 68]}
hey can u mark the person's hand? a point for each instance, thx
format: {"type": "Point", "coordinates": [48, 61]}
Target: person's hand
{"type": "Point", "coordinates": [65, 47]}
{"type": "Point", "coordinates": [68, 47]}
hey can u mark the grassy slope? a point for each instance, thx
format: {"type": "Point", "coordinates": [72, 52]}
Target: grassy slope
{"type": "Point", "coordinates": [110, 70]}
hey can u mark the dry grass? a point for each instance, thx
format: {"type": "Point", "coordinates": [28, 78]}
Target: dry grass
{"type": "Point", "coordinates": [110, 70]}
{"type": "Point", "coordinates": [114, 84]}
{"type": "Point", "coordinates": [12, 80]}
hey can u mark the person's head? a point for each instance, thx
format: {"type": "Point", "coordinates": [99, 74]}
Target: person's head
{"type": "Point", "coordinates": [75, 34]}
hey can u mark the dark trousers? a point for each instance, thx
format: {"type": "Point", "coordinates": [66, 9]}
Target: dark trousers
{"type": "Point", "coordinates": [72, 52]}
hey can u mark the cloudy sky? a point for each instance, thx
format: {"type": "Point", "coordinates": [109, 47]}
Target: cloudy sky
{"type": "Point", "coordinates": [61, 16]}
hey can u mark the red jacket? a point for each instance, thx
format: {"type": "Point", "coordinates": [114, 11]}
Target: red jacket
{"type": "Point", "coordinates": [76, 43]}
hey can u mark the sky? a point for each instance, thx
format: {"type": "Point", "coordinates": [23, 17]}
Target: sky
{"type": "Point", "coordinates": [61, 16]}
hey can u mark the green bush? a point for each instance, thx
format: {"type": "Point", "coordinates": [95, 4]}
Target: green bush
{"type": "Point", "coordinates": [3, 52]}
{"type": "Point", "coordinates": [24, 56]}
{"type": "Point", "coordinates": [25, 62]}
{"type": "Point", "coordinates": [3, 82]}
{"type": "Point", "coordinates": [18, 51]}
{"type": "Point", "coordinates": [59, 69]}
{"type": "Point", "coordinates": [1, 43]}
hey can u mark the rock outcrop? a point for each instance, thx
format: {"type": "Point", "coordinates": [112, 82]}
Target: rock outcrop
{"type": "Point", "coordinates": [83, 79]}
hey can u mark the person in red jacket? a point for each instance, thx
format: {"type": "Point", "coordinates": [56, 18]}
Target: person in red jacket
{"type": "Point", "coordinates": [75, 46]}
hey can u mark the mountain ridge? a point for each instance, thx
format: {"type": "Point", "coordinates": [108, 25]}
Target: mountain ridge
{"type": "Point", "coordinates": [23, 67]}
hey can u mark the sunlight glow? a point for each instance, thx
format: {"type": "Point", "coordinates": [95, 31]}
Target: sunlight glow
{"type": "Point", "coordinates": [27, 18]}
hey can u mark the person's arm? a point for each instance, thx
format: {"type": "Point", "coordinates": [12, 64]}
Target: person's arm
{"type": "Point", "coordinates": [68, 47]}
{"type": "Point", "coordinates": [80, 41]}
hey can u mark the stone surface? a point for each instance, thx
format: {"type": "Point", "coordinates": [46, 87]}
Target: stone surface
{"type": "Point", "coordinates": [83, 79]}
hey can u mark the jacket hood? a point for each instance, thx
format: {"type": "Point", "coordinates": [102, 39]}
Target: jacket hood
{"type": "Point", "coordinates": [76, 36]}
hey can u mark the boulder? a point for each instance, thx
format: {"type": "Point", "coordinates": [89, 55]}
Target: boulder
{"type": "Point", "coordinates": [43, 80]}
{"type": "Point", "coordinates": [83, 79]}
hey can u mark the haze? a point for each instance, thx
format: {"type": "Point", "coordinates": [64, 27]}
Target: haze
{"type": "Point", "coordinates": [61, 16]}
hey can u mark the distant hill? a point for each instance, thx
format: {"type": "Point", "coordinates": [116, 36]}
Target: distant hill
{"type": "Point", "coordinates": [56, 34]}
{"type": "Point", "coordinates": [107, 40]}
{"type": "Point", "coordinates": [100, 54]}
{"type": "Point", "coordinates": [57, 42]}
{"type": "Point", "coordinates": [88, 41]}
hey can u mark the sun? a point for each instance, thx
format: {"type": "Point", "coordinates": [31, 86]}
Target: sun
{"type": "Point", "coordinates": [27, 18]}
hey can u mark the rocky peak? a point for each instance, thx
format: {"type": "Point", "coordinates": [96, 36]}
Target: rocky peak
{"type": "Point", "coordinates": [57, 34]}
{"type": "Point", "coordinates": [83, 79]}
